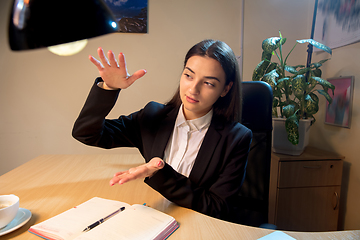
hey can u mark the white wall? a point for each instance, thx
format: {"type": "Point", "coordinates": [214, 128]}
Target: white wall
{"type": "Point", "coordinates": [344, 62]}
{"type": "Point", "coordinates": [41, 93]}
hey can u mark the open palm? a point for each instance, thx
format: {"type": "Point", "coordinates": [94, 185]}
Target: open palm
{"type": "Point", "coordinates": [113, 73]}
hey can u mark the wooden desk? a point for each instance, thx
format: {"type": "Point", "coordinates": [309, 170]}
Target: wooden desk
{"type": "Point", "coordinates": [51, 184]}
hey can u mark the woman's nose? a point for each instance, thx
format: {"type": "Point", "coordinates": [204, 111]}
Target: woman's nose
{"type": "Point", "coordinates": [195, 87]}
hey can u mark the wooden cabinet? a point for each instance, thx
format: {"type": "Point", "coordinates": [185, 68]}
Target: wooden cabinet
{"type": "Point", "coordinates": [304, 191]}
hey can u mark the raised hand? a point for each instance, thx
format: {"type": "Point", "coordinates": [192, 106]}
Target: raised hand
{"type": "Point", "coordinates": [115, 74]}
{"type": "Point", "coordinates": [142, 171]}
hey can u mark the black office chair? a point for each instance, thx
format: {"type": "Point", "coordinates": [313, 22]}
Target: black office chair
{"type": "Point", "coordinates": [256, 115]}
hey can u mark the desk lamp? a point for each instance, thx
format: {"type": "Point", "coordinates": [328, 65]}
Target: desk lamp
{"type": "Point", "coordinates": [42, 23]}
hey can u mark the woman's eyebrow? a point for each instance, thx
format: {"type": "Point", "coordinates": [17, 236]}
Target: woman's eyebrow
{"type": "Point", "coordinates": [208, 77]}
{"type": "Point", "coordinates": [190, 69]}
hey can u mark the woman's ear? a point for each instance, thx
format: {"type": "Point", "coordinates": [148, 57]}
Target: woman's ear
{"type": "Point", "coordinates": [226, 89]}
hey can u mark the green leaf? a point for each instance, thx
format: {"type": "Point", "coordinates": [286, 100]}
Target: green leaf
{"type": "Point", "coordinates": [282, 104]}
{"type": "Point", "coordinates": [324, 83]}
{"type": "Point", "coordinates": [316, 44]}
{"type": "Point", "coordinates": [299, 86]}
{"type": "Point", "coordinates": [281, 82]}
{"type": "Point", "coordinates": [303, 71]}
{"type": "Point", "coordinates": [270, 44]}
{"type": "Point", "coordinates": [299, 66]}
{"type": "Point", "coordinates": [266, 55]}
{"type": "Point", "coordinates": [260, 70]}
{"type": "Point", "coordinates": [277, 93]}
{"type": "Point", "coordinates": [271, 78]}
{"type": "Point", "coordinates": [311, 105]}
{"type": "Point", "coordinates": [316, 65]}
{"type": "Point", "coordinates": [282, 41]}
{"type": "Point", "coordinates": [324, 60]}
{"type": "Point", "coordinates": [290, 69]}
{"type": "Point", "coordinates": [292, 128]}
{"type": "Point", "coordinates": [275, 102]}
{"type": "Point", "coordinates": [271, 67]}
{"type": "Point", "coordinates": [316, 72]}
{"type": "Point", "coordinates": [314, 97]}
{"type": "Point", "coordinates": [288, 110]}
{"type": "Point", "coordinates": [326, 95]}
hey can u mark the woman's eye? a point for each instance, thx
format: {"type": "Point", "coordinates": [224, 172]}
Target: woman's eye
{"type": "Point", "coordinates": [210, 84]}
{"type": "Point", "coordinates": [187, 75]}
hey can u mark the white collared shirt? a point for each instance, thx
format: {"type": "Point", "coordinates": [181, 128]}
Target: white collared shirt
{"type": "Point", "coordinates": [185, 141]}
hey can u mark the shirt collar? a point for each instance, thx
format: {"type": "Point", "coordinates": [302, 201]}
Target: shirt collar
{"type": "Point", "coordinates": [195, 124]}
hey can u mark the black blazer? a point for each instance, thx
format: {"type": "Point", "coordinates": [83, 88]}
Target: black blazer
{"type": "Point", "coordinates": [219, 168]}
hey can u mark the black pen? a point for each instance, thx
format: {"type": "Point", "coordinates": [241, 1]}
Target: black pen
{"type": "Point", "coordinates": [103, 219]}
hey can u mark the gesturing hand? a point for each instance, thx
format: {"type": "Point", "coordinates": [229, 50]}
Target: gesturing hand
{"type": "Point", "coordinates": [114, 74]}
{"type": "Point", "coordinates": [142, 171]}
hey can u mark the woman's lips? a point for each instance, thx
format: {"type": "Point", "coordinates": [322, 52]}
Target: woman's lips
{"type": "Point", "coordinates": [191, 100]}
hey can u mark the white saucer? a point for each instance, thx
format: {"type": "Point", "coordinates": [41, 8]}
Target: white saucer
{"type": "Point", "coordinates": [22, 217]}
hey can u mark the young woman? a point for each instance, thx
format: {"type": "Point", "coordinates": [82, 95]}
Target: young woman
{"type": "Point", "coordinates": [194, 148]}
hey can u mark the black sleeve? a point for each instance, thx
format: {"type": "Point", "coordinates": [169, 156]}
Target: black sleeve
{"type": "Point", "coordinates": [91, 127]}
{"type": "Point", "coordinates": [216, 200]}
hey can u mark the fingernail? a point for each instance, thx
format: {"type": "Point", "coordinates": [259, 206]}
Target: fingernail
{"type": "Point", "coordinates": [160, 163]}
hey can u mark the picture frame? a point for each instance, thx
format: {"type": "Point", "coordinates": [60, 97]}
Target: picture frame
{"type": "Point", "coordinates": [338, 113]}
{"type": "Point", "coordinates": [132, 16]}
{"type": "Point", "coordinates": [337, 23]}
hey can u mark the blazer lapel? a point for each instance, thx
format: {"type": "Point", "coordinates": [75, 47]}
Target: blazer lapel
{"type": "Point", "coordinates": [206, 152]}
{"type": "Point", "coordinates": [162, 136]}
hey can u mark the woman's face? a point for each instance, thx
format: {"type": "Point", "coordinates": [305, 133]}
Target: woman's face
{"type": "Point", "coordinates": [201, 84]}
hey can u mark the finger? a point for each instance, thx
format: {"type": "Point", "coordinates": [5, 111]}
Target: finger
{"type": "Point", "coordinates": [156, 163]}
{"type": "Point", "coordinates": [113, 181]}
{"type": "Point", "coordinates": [116, 179]}
{"type": "Point", "coordinates": [102, 57]}
{"type": "Point", "coordinates": [112, 59]}
{"type": "Point", "coordinates": [132, 176]}
{"type": "Point", "coordinates": [124, 178]}
{"type": "Point", "coordinates": [138, 74]}
{"type": "Point", "coordinates": [133, 170]}
{"type": "Point", "coordinates": [119, 173]}
{"type": "Point", "coordinates": [122, 64]}
{"type": "Point", "coordinates": [96, 62]}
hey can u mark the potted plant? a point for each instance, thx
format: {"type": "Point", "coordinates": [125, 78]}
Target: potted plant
{"type": "Point", "coordinates": [295, 91]}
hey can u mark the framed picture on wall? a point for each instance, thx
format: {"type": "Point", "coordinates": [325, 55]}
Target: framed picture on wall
{"type": "Point", "coordinates": [337, 23]}
{"type": "Point", "coordinates": [131, 15]}
{"type": "Point", "coordinates": [338, 113]}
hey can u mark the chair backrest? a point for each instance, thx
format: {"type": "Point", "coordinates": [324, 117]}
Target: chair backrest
{"type": "Point", "coordinates": [257, 99]}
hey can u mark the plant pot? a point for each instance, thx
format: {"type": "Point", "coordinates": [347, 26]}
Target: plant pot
{"type": "Point", "coordinates": [280, 143]}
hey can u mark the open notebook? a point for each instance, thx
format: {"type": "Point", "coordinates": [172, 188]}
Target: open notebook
{"type": "Point", "coordinates": [135, 222]}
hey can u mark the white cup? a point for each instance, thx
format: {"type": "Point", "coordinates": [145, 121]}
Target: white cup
{"type": "Point", "coordinates": [9, 206]}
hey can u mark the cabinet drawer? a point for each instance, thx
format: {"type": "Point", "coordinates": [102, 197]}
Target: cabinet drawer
{"type": "Point", "coordinates": [309, 209]}
{"type": "Point", "coordinates": [309, 173]}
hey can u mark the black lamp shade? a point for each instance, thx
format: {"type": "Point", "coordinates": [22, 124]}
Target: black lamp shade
{"type": "Point", "coordinates": [43, 23]}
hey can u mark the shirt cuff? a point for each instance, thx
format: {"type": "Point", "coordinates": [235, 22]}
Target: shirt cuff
{"type": "Point", "coordinates": [100, 83]}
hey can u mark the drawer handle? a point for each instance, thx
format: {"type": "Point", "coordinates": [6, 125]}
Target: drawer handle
{"type": "Point", "coordinates": [312, 167]}
{"type": "Point", "coordinates": [337, 200]}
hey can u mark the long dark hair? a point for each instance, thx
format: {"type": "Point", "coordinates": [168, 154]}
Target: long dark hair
{"type": "Point", "coordinates": [228, 106]}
